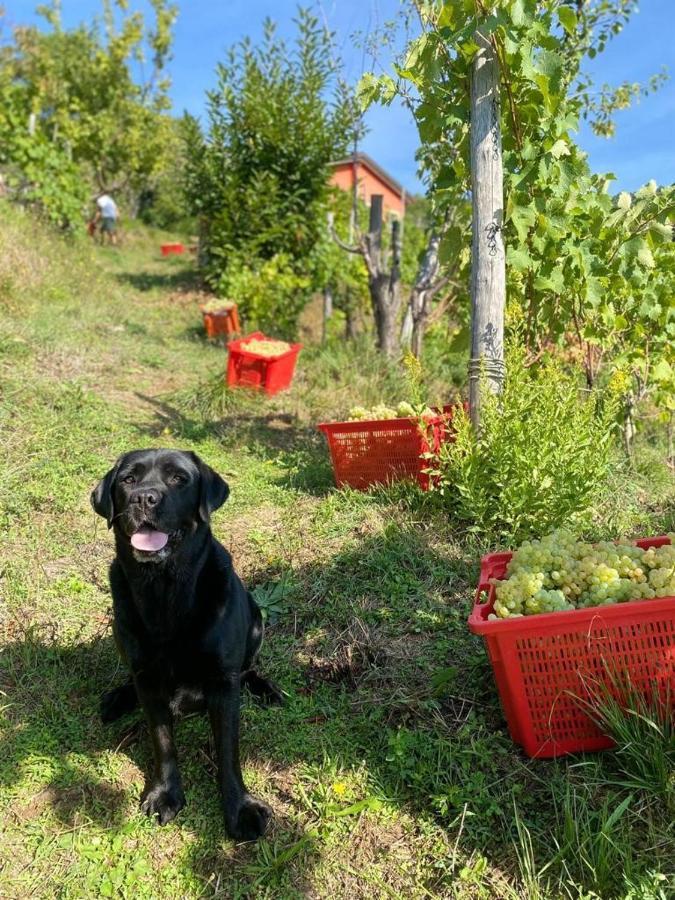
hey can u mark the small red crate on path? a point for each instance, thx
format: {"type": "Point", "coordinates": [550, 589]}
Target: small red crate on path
{"type": "Point", "coordinates": [225, 322]}
{"type": "Point", "coordinates": [266, 373]}
{"type": "Point", "coordinates": [546, 665]}
{"type": "Point", "coordinates": [168, 249]}
{"type": "Point", "coordinates": [364, 453]}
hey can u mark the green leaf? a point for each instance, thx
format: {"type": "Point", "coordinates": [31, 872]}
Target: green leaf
{"type": "Point", "coordinates": [517, 12]}
{"type": "Point", "coordinates": [549, 63]}
{"type": "Point", "coordinates": [568, 19]}
{"type": "Point", "coordinates": [523, 218]}
{"type": "Point", "coordinates": [593, 291]}
{"type": "Point", "coordinates": [554, 281]}
{"type": "Point", "coordinates": [645, 257]}
{"type": "Point", "coordinates": [416, 49]}
{"type": "Point", "coordinates": [371, 803]}
{"type": "Point", "coordinates": [662, 371]}
{"type": "Point", "coordinates": [560, 148]}
{"type": "Point", "coordinates": [518, 258]}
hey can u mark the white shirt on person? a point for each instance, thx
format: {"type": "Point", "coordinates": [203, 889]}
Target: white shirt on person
{"type": "Point", "coordinates": [107, 206]}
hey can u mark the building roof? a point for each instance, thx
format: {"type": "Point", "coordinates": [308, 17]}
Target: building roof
{"type": "Point", "coordinates": [370, 163]}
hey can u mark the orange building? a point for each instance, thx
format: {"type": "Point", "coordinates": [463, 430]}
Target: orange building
{"type": "Point", "coordinates": [370, 179]}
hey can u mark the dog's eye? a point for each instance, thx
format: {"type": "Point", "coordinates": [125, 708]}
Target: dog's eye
{"type": "Point", "coordinates": [129, 479]}
{"type": "Point", "coordinates": [177, 479]}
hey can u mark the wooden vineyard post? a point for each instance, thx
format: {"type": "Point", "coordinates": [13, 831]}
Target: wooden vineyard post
{"type": "Point", "coordinates": [488, 272]}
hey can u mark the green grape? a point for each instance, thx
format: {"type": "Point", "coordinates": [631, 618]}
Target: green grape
{"type": "Point", "coordinates": [560, 573]}
{"type": "Point", "coordinates": [381, 412]}
{"type": "Point", "coordinates": [405, 409]}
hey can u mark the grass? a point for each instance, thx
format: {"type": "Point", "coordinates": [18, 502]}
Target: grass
{"type": "Point", "coordinates": [390, 769]}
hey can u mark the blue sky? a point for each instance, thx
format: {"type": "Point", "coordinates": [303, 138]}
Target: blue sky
{"type": "Point", "coordinates": [644, 146]}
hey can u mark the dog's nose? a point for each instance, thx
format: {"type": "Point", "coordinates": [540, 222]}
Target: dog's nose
{"type": "Point", "coordinates": [145, 497]}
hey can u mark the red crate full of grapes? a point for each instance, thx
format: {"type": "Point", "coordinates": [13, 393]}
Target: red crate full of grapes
{"type": "Point", "coordinates": [270, 374]}
{"type": "Point", "coordinates": [380, 451]}
{"type": "Point", "coordinates": [548, 666]}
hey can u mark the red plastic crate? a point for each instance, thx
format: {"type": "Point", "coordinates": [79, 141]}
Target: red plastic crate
{"type": "Point", "coordinates": [546, 665]}
{"type": "Point", "coordinates": [269, 374]}
{"type": "Point", "coordinates": [221, 323]}
{"type": "Point", "coordinates": [381, 451]}
{"type": "Point", "coordinates": [168, 249]}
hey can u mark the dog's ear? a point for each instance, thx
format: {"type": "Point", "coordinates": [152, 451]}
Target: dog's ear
{"type": "Point", "coordinates": [213, 490]}
{"type": "Point", "coordinates": [102, 495]}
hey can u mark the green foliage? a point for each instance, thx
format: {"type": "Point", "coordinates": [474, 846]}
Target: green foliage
{"type": "Point", "coordinates": [541, 460]}
{"type": "Point", "coordinates": [585, 267]}
{"type": "Point", "coordinates": [343, 273]}
{"type": "Point", "coordinates": [269, 293]}
{"type": "Point", "coordinates": [643, 729]}
{"type": "Point", "coordinates": [37, 171]}
{"type": "Point", "coordinates": [258, 179]}
{"type": "Point", "coordinates": [71, 104]}
{"type": "Point", "coordinates": [162, 202]}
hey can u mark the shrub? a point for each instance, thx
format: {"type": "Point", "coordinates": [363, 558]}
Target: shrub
{"type": "Point", "coordinates": [257, 178]}
{"type": "Point", "coordinates": [269, 293]}
{"type": "Point", "coordinates": [541, 460]}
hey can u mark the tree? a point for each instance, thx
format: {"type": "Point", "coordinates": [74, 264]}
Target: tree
{"type": "Point", "coordinates": [72, 94]}
{"type": "Point", "coordinates": [258, 178]}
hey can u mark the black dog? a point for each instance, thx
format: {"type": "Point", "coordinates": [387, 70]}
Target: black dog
{"type": "Point", "coordinates": [185, 626]}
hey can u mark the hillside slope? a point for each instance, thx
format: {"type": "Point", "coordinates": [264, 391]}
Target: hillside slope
{"type": "Point", "coordinates": [390, 770]}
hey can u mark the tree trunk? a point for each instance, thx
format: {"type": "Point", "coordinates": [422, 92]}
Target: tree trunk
{"type": "Point", "coordinates": [420, 298]}
{"type": "Point", "coordinates": [387, 338]}
{"type": "Point", "coordinates": [420, 315]}
{"type": "Point", "coordinates": [488, 273]}
{"type": "Point", "coordinates": [350, 325]}
{"type": "Point", "coordinates": [384, 286]}
{"type": "Point", "coordinates": [327, 312]}
{"type": "Point", "coordinates": [407, 326]}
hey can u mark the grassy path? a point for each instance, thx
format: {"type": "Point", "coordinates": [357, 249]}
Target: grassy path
{"type": "Point", "coordinates": [387, 779]}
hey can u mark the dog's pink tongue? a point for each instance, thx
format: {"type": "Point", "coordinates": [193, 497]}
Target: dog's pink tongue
{"type": "Point", "coordinates": [148, 539]}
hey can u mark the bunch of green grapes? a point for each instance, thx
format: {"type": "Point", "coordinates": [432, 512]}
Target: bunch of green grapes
{"type": "Point", "coordinates": [267, 348]}
{"type": "Point", "coordinates": [404, 410]}
{"type": "Point", "coordinates": [217, 305]}
{"type": "Point", "coordinates": [560, 573]}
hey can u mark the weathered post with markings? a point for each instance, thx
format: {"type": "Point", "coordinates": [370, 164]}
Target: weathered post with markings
{"type": "Point", "coordinates": [488, 272]}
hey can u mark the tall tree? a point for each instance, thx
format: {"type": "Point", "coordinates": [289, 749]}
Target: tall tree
{"type": "Point", "coordinates": [277, 117]}
{"type": "Point", "coordinates": [74, 94]}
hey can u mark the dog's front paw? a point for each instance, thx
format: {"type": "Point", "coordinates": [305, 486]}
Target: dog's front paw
{"type": "Point", "coordinates": [249, 820]}
{"type": "Point", "coordinates": [164, 800]}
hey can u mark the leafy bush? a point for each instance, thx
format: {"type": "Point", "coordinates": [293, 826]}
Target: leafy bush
{"type": "Point", "coordinates": [74, 116]}
{"type": "Point", "coordinates": [269, 293]}
{"type": "Point", "coordinates": [258, 178]}
{"type": "Point", "coordinates": [541, 460]}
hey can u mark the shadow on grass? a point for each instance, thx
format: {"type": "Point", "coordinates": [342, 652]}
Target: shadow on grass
{"type": "Point", "coordinates": [54, 732]}
{"type": "Point", "coordinates": [183, 279]}
{"type": "Point", "coordinates": [389, 614]}
{"type": "Point", "coordinates": [269, 435]}
{"type": "Point", "coordinates": [360, 640]}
